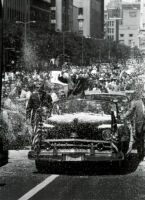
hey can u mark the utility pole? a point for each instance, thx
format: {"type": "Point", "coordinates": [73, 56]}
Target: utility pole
{"type": "Point", "coordinates": [63, 45]}
{"type": "Point", "coordinates": [82, 50]}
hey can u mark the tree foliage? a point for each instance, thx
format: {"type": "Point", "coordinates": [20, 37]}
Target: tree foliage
{"type": "Point", "coordinates": [44, 44]}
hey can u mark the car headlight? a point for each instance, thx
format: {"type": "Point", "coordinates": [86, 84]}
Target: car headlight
{"type": "Point", "coordinates": [106, 134]}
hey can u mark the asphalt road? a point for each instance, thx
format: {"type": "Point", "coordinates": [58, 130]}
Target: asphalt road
{"type": "Point", "coordinates": [20, 180]}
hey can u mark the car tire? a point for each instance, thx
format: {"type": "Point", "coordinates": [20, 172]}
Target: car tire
{"type": "Point", "coordinates": [39, 166]}
{"type": "Point", "coordinates": [42, 166]}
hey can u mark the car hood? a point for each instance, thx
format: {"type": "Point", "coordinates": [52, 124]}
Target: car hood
{"type": "Point", "coordinates": [90, 118]}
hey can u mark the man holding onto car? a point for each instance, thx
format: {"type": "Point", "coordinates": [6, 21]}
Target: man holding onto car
{"type": "Point", "coordinates": [137, 114]}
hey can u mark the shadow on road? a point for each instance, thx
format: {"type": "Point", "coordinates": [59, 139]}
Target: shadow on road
{"type": "Point", "coordinates": [100, 168]}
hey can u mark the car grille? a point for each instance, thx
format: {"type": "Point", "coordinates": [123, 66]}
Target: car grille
{"type": "Point", "coordinates": [76, 144]}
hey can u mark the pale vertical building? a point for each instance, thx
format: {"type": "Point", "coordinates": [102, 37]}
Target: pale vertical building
{"type": "Point", "coordinates": [130, 23]}
{"type": "Point", "coordinates": [112, 25]}
{"type": "Point", "coordinates": [142, 14]}
{"type": "Point", "coordinates": [64, 15]}
{"type": "Point", "coordinates": [141, 35]}
{"type": "Point", "coordinates": [90, 17]}
{"type": "Point", "coordinates": [75, 19]}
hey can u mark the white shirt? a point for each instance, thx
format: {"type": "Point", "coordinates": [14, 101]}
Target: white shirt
{"type": "Point", "coordinates": [54, 97]}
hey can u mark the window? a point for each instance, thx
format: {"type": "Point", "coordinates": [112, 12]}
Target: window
{"type": "Point", "coordinates": [53, 21]}
{"type": "Point", "coordinates": [132, 13]}
{"type": "Point", "coordinates": [80, 24]}
{"type": "Point", "coordinates": [53, 8]}
{"type": "Point", "coordinates": [130, 35]}
{"type": "Point", "coordinates": [53, 14]}
{"type": "Point", "coordinates": [121, 35]}
{"type": "Point", "coordinates": [129, 42]}
{"type": "Point", "coordinates": [121, 41]}
{"type": "Point", "coordinates": [80, 11]}
{"type": "Point", "coordinates": [121, 22]}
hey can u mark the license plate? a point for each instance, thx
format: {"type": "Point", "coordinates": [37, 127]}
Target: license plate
{"type": "Point", "coordinates": [70, 158]}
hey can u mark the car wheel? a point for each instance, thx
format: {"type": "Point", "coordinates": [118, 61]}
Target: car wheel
{"type": "Point", "coordinates": [39, 166]}
{"type": "Point", "coordinates": [43, 166]}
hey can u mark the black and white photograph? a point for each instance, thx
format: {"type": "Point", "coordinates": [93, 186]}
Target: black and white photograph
{"type": "Point", "coordinates": [72, 99]}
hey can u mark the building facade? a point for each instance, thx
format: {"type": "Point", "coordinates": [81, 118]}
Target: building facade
{"type": "Point", "coordinates": [62, 15]}
{"type": "Point", "coordinates": [16, 10]}
{"type": "Point", "coordinates": [141, 35]}
{"type": "Point", "coordinates": [75, 20]}
{"type": "Point", "coordinates": [112, 26]}
{"type": "Point", "coordinates": [113, 4]}
{"type": "Point", "coordinates": [128, 29]}
{"type": "Point", "coordinates": [90, 17]}
{"type": "Point", "coordinates": [40, 11]}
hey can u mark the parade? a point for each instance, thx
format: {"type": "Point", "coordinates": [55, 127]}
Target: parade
{"type": "Point", "coordinates": [72, 105]}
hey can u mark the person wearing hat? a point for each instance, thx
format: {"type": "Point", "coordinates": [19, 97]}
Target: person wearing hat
{"type": "Point", "coordinates": [137, 115]}
{"type": "Point", "coordinates": [40, 97]}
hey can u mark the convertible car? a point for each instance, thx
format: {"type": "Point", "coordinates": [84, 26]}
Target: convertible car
{"type": "Point", "coordinates": [87, 129]}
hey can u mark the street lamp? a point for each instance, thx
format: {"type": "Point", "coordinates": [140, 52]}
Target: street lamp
{"type": "Point", "coordinates": [25, 28]}
{"type": "Point", "coordinates": [82, 50]}
{"type": "Point", "coordinates": [63, 45]}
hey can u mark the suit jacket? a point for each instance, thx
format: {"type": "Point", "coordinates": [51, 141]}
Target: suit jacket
{"type": "Point", "coordinates": [136, 112]}
{"type": "Point", "coordinates": [36, 100]}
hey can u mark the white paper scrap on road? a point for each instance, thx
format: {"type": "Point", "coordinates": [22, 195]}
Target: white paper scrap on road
{"type": "Point", "coordinates": [39, 187]}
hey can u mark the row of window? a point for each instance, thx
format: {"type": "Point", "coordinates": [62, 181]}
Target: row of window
{"type": "Point", "coordinates": [110, 30]}
{"type": "Point", "coordinates": [110, 23]}
{"type": "Point", "coordinates": [130, 42]}
{"type": "Point", "coordinates": [122, 35]}
{"type": "Point", "coordinates": [111, 37]}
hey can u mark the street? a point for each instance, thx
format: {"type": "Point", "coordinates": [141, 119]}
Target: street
{"type": "Point", "coordinates": [20, 180]}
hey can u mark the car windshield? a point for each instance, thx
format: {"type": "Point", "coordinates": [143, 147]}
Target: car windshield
{"type": "Point", "coordinates": [81, 105]}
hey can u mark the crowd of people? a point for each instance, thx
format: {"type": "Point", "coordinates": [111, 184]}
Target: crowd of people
{"type": "Point", "coordinates": [103, 77]}
{"type": "Point", "coordinates": [38, 89]}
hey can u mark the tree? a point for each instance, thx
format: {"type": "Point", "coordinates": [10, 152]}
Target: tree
{"type": "Point", "coordinates": [44, 44]}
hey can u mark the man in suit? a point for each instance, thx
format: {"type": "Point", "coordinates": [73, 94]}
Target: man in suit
{"type": "Point", "coordinates": [39, 98]}
{"type": "Point", "coordinates": [136, 113]}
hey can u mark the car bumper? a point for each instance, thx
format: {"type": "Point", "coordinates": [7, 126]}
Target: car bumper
{"type": "Point", "coordinates": [102, 156]}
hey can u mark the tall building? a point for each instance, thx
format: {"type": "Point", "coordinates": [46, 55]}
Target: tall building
{"type": "Point", "coordinates": [62, 15]}
{"type": "Point", "coordinates": [112, 20]}
{"type": "Point", "coordinates": [75, 20]}
{"type": "Point", "coordinates": [114, 4]}
{"type": "Point", "coordinates": [90, 17]}
{"type": "Point", "coordinates": [16, 10]}
{"type": "Point", "coordinates": [40, 11]}
{"type": "Point", "coordinates": [141, 35]}
{"type": "Point", "coordinates": [112, 26]}
{"type": "Point", "coordinates": [128, 29]}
